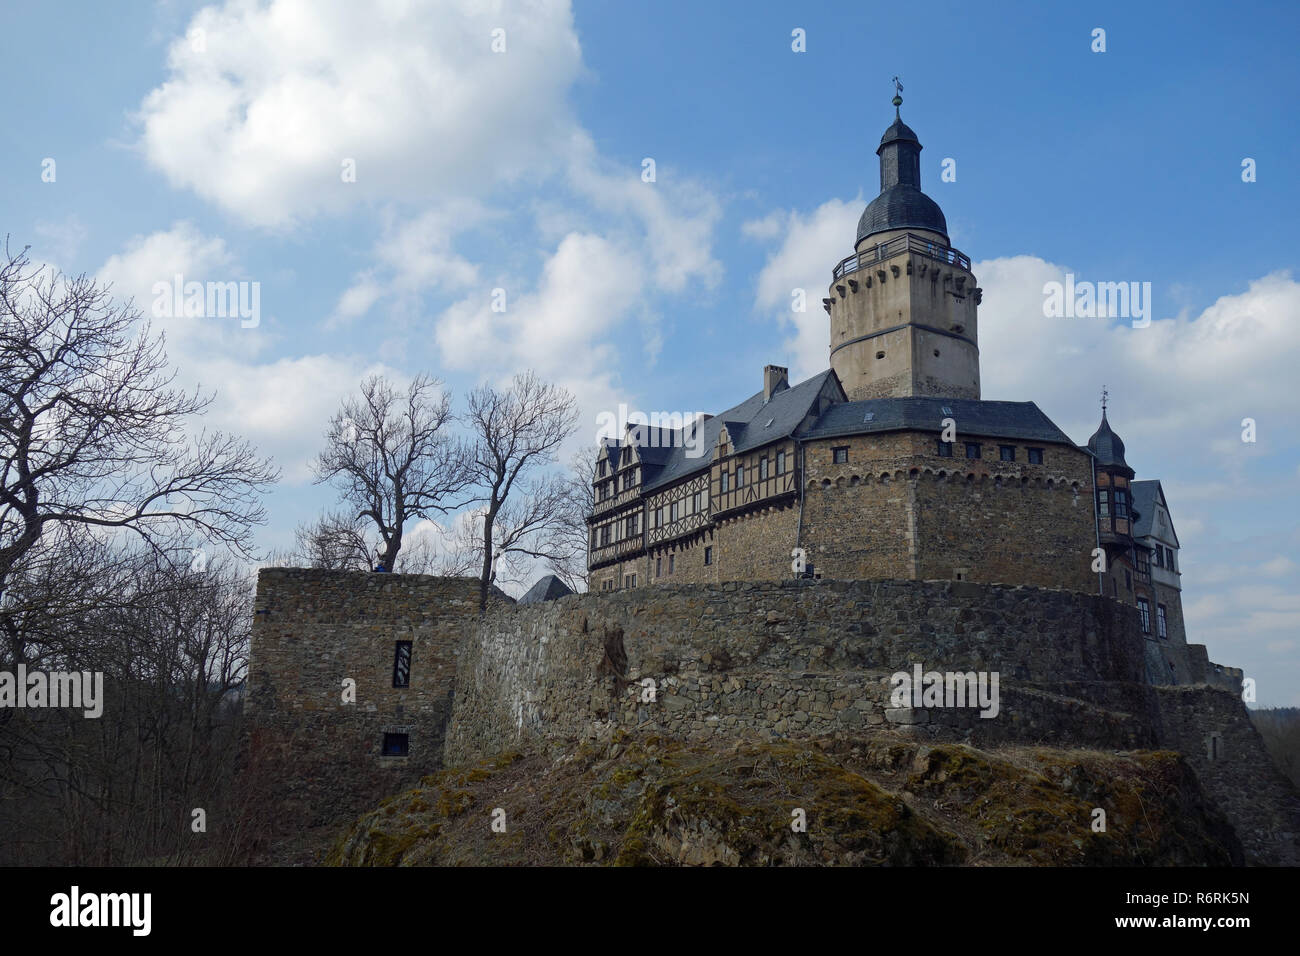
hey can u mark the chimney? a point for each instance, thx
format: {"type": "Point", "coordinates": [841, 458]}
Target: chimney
{"type": "Point", "coordinates": [775, 378]}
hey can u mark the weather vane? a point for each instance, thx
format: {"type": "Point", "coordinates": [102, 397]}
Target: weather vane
{"type": "Point", "coordinates": [898, 100]}
{"type": "Point", "coordinates": [1104, 394]}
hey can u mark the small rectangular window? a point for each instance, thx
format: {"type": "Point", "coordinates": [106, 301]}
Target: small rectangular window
{"type": "Point", "coordinates": [659, 567]}
{"type": "Point", "coordinates": [740, 476]}
{"type": "Point", "coordinates": [762, 468]}
{"type": "Point", "coordinates": [945, 449]}
{"type": "Point", "coordinates": [1169, 559]}
{"type": "Point", "coordinates": [397, 745]}
{"type": "Point", "coordinates": [780, 463]}
{"type": "Point", "coordinates": [1007, 452]}
{"type": "Point", "coordinates": [1162, 621]}
{"type": "Point", "coordinates": [402, 664]}
{"type": "Point", "coordinates": [1121, 503]}
{"type": "Point", "coordinates": [841, 455]}
{"type": "Point", "coordinates": [1144, 609]}
{"type": "Point", "coordinates": [973, 449]}
{"type": "Point", "coordinates": [634, 580]}
{"type": "Point", "coordinates": [725, 479]}
{"type": "Point", "coordinates": [1103, 503]}
{"type": "Point", "coordinates": [1035, 456]}
{"type": "Point", "coordinates": [672, 563]}
{"type": "Point", "coordinates": [708, 554]}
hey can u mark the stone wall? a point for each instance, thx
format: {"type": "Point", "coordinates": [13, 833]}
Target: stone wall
{"type": "Point", "coordinates": [896, 509]}
{"type": "Point", "coordinates": [804, 658]}
{"type": "Point", "coordinates": [800, 658]}
{"type": "Point", "coordinates": [312, 629]}
{"type": "Point", "coordinates": [1212, 729]}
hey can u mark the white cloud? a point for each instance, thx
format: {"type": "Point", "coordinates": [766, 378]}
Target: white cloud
{"type": "Point", "coordinates": [811, 246]}
{"type": "Point", "coordinates": [160, 257]}
{"type": "Point", "coordinates": [413, 257]}
{"type": "Point", "coordinates": [262, 117]}
{"type": "Point", "coordinates": [60, 240]}
{"type": "Point", "coordinates": [282, 405]}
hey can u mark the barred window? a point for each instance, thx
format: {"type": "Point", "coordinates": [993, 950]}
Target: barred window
{"type": "Point", "coordinates": [397, 745]}
{"type": "Point", "coordinates": [402, 665]}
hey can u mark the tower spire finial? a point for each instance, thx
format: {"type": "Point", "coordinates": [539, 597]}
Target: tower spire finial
{"type": "Point", "coordinates": [1104, 395]}
{"type": "Point", "coordinates": [898, 100]}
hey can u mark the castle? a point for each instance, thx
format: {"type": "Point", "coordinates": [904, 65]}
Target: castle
{"type": "Point", "coordinates": [874, 517]}
{"type": "Point", "coordinates": [889, 464]}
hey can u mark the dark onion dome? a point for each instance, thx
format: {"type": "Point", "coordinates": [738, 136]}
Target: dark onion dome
{"type": "Point", "coordinates": [1106, 446]}
{"type": "Point", "coordinates": [901, 204]}
{"type": "Point", "coordinates": [902, 207]}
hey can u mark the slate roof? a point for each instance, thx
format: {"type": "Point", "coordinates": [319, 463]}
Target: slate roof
{"type": "Point", "coordinates": [747, 424]}
{"type": "Point", "coordinates": [898, 130]}
{"type": "Point", "coordinates": [1106, 446]}
{"type": "Point", "coordinates": [546, 589]}
{"type": "Point", "coordinates": [1146, 495]}
{"type": "Point", "coordinates": [1019, 420]}
{"type": "Point", "coordinates": [901, 207]}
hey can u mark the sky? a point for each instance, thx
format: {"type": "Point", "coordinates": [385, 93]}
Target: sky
{"type": "Point", "coordinates": [380, 169]}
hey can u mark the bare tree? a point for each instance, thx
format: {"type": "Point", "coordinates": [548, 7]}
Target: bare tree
{"type": "Point", "coordinates": [572, 535]}
{"type": "Point", "coordinates": [393, 459]}
{"type": "Point", "coordinates": [517, 432]}
{"type": "Point", "coordinates": [334, 541]}
{"type": "Point", "coordinates": [93, 435]}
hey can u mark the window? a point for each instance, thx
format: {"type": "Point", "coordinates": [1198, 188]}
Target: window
{"type": "Point", "coordinates": [659, 517]}
{"type": "Point", "coordinates": [1162, 621]}
{"type": "Point", "coordinates": [780, 463]}
{"type": "Point", "coordinates": [1006, 452]}
{"type": "Point", "coordinates": [593, 537]}
{"type": "Point", "coordinates": [1144, 564]}
{"type": "Point", "coordinates": [672, 563]}
{"type": "Point", "coordinates": [659, 567]}
{"type": "Point", "coordinates": [1144, 609]}
{"type": "Point", "coordinates": [1103, 503]}
{"type": "Point", "coordinates": [396, 745]}
{"type": "Point", "coordinates": [631, 525]}
{"type": "Point", "coordinates": [699, 501]}
{"type": "Point", "coordinates": [1035, 456]}
{"type": "Point", "coordinates": [708, 554]}
{"type": "Point", "coordinates": [627, 480]}
{"type": "Point", "coordinates": [1128, 579]}
{"type": "Point", "coordinates": [402, 665]}
{"type": "Point", "coordinates": [604, 536]}
{"type": "Point", "coordinates": [840, 455]}
{"type": "Point", "coordinates": [1160, 556]}
{"type": "Point", "coordinates": [725, 478]}
{"type": "Point", "coordinates": [1121, 503]}
{"type": "Point", "coordinates": [740, 476]}
{"type": "Point", "coordinates": [1169, 559]}
{"type": "Point", "coordinates": [672, 511]}
{"type": "Point", "coordinates": [600, 468]}
{"type": "Point", "coordinates": [634, 580]}
{"type": "Point", "coordinates": [762, 468]}
{"type": "Point", "coordinates": [945, 449]}
{"type": "Point", "coordinates": [973, 449]}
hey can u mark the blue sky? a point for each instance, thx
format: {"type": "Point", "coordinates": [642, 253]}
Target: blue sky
{"type": "Point", "coordinates": [521, 170]}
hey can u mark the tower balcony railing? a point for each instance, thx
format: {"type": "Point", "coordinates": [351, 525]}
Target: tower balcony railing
{"type": "Point", "coordinates": [910, 242]}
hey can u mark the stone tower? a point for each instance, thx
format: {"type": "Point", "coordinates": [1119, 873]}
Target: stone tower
{"type": "Point", "coordinates": [902, 307]}
{"type": "Point", "coordinates": [1114, 495]}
